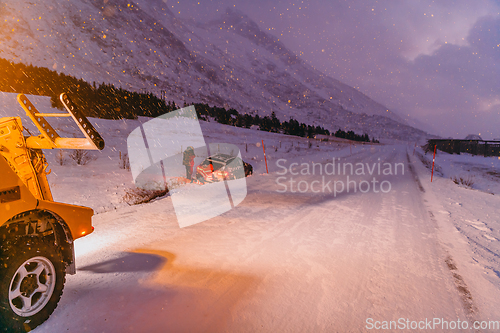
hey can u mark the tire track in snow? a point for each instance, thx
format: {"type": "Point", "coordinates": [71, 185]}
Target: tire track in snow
{"type": "Point", "coordinates": [463, 290]}
{"type": "Point", "coordinates": [414, 174]}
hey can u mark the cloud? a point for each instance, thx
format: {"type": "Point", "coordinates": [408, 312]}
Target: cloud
{"type": "Point", "coordinates": [485, 37]}
{"type": "Point", "coordinates": [436, 61]}
{"type": "Point", "coordinates": [457, 88]}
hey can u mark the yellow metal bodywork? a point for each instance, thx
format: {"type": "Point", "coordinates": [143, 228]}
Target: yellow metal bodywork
{"type": "Point", "coordinates": [23, 176]}
{"type": "Point", "coordinates": [29, 164]}
{"type": "Point", "coordinates": [9, 180]}
{"type": "Point", "coordinates": [77, 218]}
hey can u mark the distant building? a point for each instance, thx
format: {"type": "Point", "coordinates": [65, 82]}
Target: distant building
{"type": "Point", "coordinates": [473, 137]}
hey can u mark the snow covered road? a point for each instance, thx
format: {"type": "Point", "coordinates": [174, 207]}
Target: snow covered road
{"type": "Point", "coordinates": [281, 261]}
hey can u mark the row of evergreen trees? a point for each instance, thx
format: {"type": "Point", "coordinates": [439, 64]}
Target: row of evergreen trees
{"type": "Point", "coordinates": [266, 123]}
{"type": "Point", "coordinates": [103, 101]}
{"type": "Point", "coordinates": [270, 124]}
{"type": "Point", "coordinates": [108, 102]}
{"type": "Point", "coordinates": [352, 136]}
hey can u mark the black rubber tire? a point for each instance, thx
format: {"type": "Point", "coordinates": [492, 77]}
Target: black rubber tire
{"type": "Point", "coordinates": [11, 261]}
{"type": "Point", "coordinates": [200, 178]}
{"type": "Point", "coordinates": [248, 169]}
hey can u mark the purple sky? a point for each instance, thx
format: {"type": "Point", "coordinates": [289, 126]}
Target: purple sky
{"type": "Point", "coordinates": [436, 61]}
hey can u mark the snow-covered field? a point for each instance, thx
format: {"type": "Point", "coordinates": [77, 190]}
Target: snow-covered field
{"type": "Point", "coordinates": [297, 255]}
{"type": "Point", "coordinates": [482, 172]}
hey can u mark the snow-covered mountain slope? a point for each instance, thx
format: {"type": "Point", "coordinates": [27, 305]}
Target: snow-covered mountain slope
{"type": "Point", "coordinates": [227, 62]}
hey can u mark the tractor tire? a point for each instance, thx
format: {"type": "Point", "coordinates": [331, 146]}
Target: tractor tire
{"type": "Point", "coordinates": [32, 276]}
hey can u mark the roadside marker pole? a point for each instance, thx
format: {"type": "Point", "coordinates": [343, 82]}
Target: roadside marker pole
{"type": "Point", "coordinates": [265, 158]}
{"type": "Point", "coordinates": [433, 159]}
{"type": "Point", "coordinates": [414, 149]}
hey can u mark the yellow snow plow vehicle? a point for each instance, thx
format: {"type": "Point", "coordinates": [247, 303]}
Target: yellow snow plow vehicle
{"type": "Point", "coordinates": [36, 233]}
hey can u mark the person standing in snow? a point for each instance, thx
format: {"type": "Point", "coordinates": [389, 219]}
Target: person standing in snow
{"type": "Point", "coordinates": [188, 160]}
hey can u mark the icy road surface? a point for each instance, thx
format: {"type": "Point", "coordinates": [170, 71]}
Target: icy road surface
{"type": "Point", "coordinates": [279, 262]}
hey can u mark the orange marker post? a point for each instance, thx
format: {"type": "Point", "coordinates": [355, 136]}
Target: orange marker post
{"type": "Point", "coordinates": [265, 158]}
{"type": "Point", "coordinates": [433, 159]}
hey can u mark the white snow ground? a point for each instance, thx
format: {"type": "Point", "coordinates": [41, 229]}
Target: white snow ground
{"type": "Point", "coordinates": [279, 262]}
